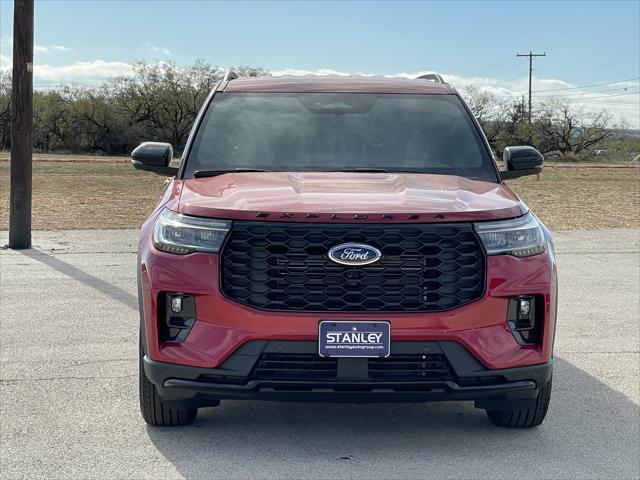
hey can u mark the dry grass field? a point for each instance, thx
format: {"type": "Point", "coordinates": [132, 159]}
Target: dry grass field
{"type": "Point", "coordinates": [71, 192]}
{"type": "Point", "coordinates": [574, 197]}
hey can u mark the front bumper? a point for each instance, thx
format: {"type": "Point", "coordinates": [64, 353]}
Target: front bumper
{"type": "Point", "coordinates": [223, 326]}
{"type": "Point", "coordinates": [236, 379]}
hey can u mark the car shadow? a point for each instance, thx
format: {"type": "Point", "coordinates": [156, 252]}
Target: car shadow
{"type": "Point", "coordinates": [592, 431]}
{"type": "Point", "coordinates": [102, 286]}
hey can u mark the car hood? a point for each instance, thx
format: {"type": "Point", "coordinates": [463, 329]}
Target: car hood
{"type": "Point", "coordinates": [345, 197]}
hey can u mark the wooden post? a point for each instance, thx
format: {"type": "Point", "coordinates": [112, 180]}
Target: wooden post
{"type": "Point", "coordinates": [21, 125]}
{"type": "Point", "coordinates": [531, 55]}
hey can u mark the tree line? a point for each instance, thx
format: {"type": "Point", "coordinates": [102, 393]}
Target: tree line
{"type": "Point", "coordinates": [157, 102]}
{"type": "Point", "coordinates": [160, 102]}
{"type": "Point", "coordinates": [556, 128]}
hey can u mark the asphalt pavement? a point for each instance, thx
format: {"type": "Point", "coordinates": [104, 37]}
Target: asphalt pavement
{"type": "Point", "coordinates": [69, 400]}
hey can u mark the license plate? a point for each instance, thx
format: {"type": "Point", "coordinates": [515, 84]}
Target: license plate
{"type": "Point", "coordinates": [354, 339]}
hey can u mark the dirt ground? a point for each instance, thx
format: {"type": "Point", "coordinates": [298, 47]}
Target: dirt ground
{"type": "Point", "coordinates": [571, 198]}
{"type": "Point", "coordinates": [72, 192]}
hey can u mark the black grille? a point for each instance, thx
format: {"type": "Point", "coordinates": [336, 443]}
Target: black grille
{"type": "Point", "coordinates": [400, 368]}
{"type": "Point", "coordinates": [284, 266]}
{"type": "Point", "coordinates": [285, 366]}
{"type": "Point", "coordinates": [409, 367]}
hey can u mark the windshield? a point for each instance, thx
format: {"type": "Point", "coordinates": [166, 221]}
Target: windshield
{"type": "Point", "coordinates": [339, 132]}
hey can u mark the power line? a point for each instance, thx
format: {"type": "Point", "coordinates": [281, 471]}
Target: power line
{"type": "Point", "coordinates": [497, 64]}
{"type": "Point", "coordinates": [592, 98]}
{"type": "Point", "coordinates": [586, 93]}
{"type": "Point", "coordinates": [612, 104]}
{"type": "Point", "coordinates": [518, 75]}
{"type": "Point", "coordinates": [577, 95]}
{"type": "Point", "coordinates": [586, 86]}
{"type": "Point", "coordinates": [608, 104]}
{"type": "Point", "coordinates": [591, 67]}
{"type": "Point", "coordinates": [511, 68]}
{"type": "Point", "coordinates": [601, 96]}
{"type": "Point", "coordinates": [599, 100]}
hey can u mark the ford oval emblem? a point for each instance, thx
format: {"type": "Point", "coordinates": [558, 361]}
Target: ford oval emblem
{"type": "Point", "coordinates": [354, 254]}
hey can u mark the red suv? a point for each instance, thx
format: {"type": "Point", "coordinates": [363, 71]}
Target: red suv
{"type": "Point", "coordinates": [343, 239]}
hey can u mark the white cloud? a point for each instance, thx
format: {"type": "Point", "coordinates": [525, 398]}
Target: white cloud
{"type": "Point", "coordinates": [80, 72]}
{"type": "Point", "coordinates": [323, 71]}
{"type": "Point", "coordinates": [50, 48]}
{"type": "Point", "coordinates": [59, 48]}
{"type": "Point", "coordinates": [163, 50]}
{"type": "Point", "coordinates": [156, 48]}
{"type": "Point", "coordinates": [5, 63]}
{"type": "Point", "coordinates": [8, 42]}
{"type": "Point", "coordinates": [93, 72]}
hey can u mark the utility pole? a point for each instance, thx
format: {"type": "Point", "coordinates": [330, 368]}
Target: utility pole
{"type": "Point", "coordinates": [531, 55]}
{"type": "Point", "coordinates": [21, 125]}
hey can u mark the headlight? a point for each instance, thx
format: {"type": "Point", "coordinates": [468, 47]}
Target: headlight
{"type": "Point", "coordinates": [520, 237]}
{"type": "Point", "coordinates": [182, 234]}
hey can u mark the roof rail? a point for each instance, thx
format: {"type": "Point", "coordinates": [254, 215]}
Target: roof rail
{"type": "Point", "coordinates": [229, 75]}
{"type": "Point", "coordinates": [434, 77]}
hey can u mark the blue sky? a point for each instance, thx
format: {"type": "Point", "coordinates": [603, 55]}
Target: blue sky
{"type": "Point", "coordinates": [586, 42]}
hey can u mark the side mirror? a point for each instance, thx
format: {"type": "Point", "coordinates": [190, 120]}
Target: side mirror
{"type": "Point", "coordinates": [521, 161]}
{"type": "Point", "coordinates": [154, 157]}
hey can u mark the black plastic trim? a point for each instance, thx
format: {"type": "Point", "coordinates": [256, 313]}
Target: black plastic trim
{"type": "Point", "coordinates": [194, 131]}
{"type": "Point", "coordinates": [509, 174]}
{"type": "Point", "coordinates": [142, 329]}
{"type": "Point", "coordinates": [352, 392]}
{"type": "Point", "coordinates": [232, 379]}
{"type": "Point", "coordinates": [159, 170]}
{"type": "Point", "coordinates": [483, 138]}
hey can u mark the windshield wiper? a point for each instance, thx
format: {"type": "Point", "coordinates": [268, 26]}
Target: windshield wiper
{"type": "Point", "coordinates": [381, 170]}
{"type": "Point", "coordinates": [367, 170]}
{"type": "Point", "coordinates": [213, 173]}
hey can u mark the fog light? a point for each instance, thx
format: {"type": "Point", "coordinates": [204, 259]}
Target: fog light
{"type": "Point", "coordinates": [525, 316]}
{"type": "Point", "coordinates": [176, 304]}
{"type": "Point", "coordinates": [176, 316]}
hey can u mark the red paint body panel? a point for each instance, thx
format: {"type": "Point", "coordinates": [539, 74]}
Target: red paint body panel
{"type": "Point", "coordinates": [223, 325]}
{"type": "Point", "coordinates": [352, 84]}
{"type": "Point", "coordinates": [345, 197]}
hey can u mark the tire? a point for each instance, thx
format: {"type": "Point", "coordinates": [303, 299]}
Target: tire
{"type": "Point", "coordinates": [154, 411]}
{"type": "Point", "coordinates": [527, 418]}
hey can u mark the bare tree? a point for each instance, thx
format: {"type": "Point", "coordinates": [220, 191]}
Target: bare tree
{"type": "Point", "coordinates": [482, 104]}
{"type": "Point", "coordinates": [491, 113]}
{"type": "Point", "coordinates": [503, 122]}
{"type": "Point", "coordinates": [165, 98]}
{"type": "Point", "coordinates": [569, 130]}
{"type": "Point", "coordinates": [5, 109]}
